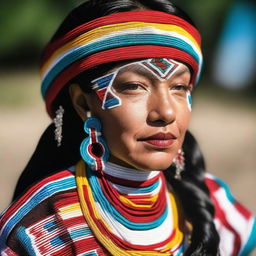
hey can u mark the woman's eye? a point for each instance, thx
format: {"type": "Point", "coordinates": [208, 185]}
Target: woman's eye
{"type": "Point", "coordinates": [131, 86]}
{"type": "Point", "coordinates": [181, 87]}
{"type": "Point", "coordinates": [125, 87]}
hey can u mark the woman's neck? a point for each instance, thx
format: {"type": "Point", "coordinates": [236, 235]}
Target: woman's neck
{"type": "Point", "coordinates": [128, 179]}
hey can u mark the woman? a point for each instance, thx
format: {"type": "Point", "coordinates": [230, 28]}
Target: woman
{"type": "Point", "coordinates": [133, 182]}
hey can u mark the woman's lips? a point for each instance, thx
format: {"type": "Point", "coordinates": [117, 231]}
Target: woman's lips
{"type": "Point", "coordinates": [161, 140]}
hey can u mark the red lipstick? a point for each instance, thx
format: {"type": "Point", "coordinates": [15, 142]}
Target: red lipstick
{"type": "Point", "coordinates": [161, 140]}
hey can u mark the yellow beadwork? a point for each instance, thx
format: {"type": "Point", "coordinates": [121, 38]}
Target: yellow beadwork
{"type": "Point", "coordinates": [99, 33]}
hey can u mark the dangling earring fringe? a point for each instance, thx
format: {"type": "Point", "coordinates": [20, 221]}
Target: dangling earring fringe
{"type": "Point", "coordinates": [93, 149]}
{"type": "Point", "coordinates": [179, 162]}
{"type": "Point", "coordinates": [58, 122]}
{"type": "Point", "coordinates": [88, 114]}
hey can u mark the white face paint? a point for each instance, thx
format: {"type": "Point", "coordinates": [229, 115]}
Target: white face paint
{"type": "Point", "coordinates": [163, 69]}
{"type": "Point", "coordinates": [189, 100]}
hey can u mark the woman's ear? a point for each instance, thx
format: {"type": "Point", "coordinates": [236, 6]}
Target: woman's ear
{"type": "Point", "coordinates": [79, 101]}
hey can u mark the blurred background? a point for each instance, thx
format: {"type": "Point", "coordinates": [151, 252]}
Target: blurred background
{"type": "Point", "coordinates": [224, 103]}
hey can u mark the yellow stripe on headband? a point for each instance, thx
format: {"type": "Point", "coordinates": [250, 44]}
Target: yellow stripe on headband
{"type": "Point", "coordinates": [102, 31]}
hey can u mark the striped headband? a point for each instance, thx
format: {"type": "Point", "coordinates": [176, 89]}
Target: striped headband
{"type": "Point", "coordinates": [117, 37]}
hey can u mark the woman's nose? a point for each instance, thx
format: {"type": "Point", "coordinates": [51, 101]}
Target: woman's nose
{"type": "Point", "coordinates": [161, 109]}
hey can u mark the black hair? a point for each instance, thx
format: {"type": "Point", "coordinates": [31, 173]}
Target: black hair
{"type": "Point", "coordinates": [191, 190]}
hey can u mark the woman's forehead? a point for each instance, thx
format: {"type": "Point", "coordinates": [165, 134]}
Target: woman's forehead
{"type": "Point", "coordinates": [160, 68]}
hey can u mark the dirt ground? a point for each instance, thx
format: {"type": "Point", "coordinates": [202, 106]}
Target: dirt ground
{"type": "Point", "coordinates": [225, 131]}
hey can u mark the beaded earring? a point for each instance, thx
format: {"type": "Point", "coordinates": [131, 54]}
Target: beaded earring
{"type": "Point", "coordinates": [93, 149]}
{"type": "Point", "coordinates": [58, 122]}
{"type": "Point", "coordinates": [179, 162]}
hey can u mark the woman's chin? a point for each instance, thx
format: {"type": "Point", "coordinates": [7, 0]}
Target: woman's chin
{"type": "Point", "coordinates": [155, 166]}
{"type": "Point", "coordinates": [146, 164]}
{"type": "Point", "coordinates": [160, 161]}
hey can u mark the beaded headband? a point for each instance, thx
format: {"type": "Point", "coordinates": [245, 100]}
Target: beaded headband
{"type": "Point", "coordinates": [117, 37]}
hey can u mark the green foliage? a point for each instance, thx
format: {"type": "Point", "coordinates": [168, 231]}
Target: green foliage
{"type": "Point", "coordinates": [27, 25]}
{"type": "Point", "coordinates": [208, 17]}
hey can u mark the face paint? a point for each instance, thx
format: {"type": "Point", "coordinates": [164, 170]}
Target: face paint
{"type": "Point", "coordinates": [103, 88]}
{"type": "Point", "coordinates": [189, 100]}
{"type": "Point", "coordinates": [161, 68]}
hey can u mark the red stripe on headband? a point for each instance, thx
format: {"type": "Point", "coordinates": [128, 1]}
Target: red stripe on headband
{"type": "Point", "coordinates": [132, 16]}
{"type": "Point", "coordinates": [117, 54]}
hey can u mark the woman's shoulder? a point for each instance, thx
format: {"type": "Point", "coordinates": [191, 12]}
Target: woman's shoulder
{"type": "Point", "coordinates": [36, 209]}
{"type": "Point", "coordinates": [41, 190]}
{"type": "Point", "coordinates": [235, 224]}
{"type": "Point", "coordinates": [48, 220]}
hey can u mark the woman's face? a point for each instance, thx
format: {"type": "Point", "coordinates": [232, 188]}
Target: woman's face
{"type": "Point", "coordinates": [147, 129]}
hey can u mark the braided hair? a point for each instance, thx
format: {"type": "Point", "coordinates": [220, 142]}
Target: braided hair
{"type": "Point", "coordinates": [191, 190]}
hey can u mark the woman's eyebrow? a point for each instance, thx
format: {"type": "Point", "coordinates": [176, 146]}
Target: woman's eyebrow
{"type": "Point", "coordinates": [181, 72]}
{"type": "Point", "coordinates": [139, 70]}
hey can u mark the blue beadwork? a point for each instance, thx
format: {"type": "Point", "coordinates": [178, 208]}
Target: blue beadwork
{"type": "Point", "coordinates": [86, 146]}
{"type": "Point", "coordinates": [118, 41]}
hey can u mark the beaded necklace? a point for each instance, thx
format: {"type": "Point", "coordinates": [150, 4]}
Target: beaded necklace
{"type": "Point", "coordinates": [130, 212]}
